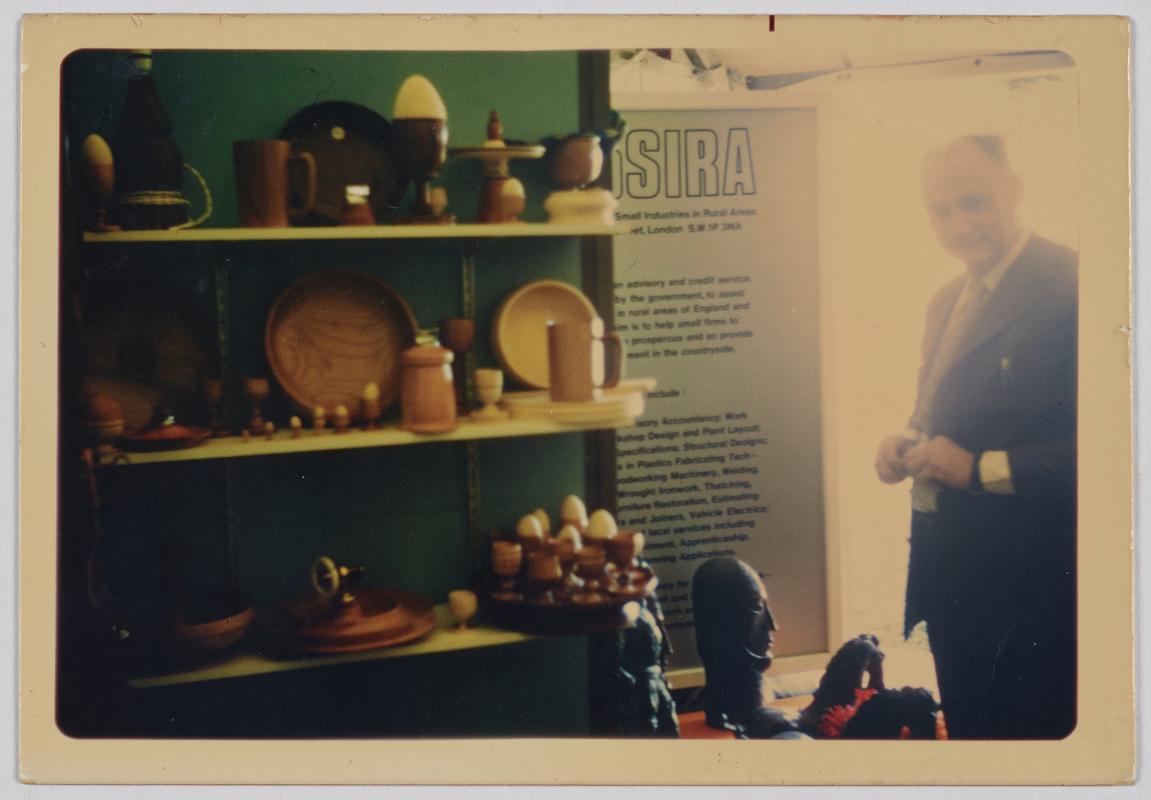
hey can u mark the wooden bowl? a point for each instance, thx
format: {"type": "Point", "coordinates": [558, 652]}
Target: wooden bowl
{"type": "Point", "coordinates": [520, 328]}
{"type": "Point", "coordinates": [208, 619]}
{"type": "Point", "coordinates": [332, 333]}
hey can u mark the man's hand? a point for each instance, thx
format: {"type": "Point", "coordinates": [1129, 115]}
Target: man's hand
{"type": "Point", "coordinates": [889, 458]}
{"type": "Point", "coordinates": [940, 460]}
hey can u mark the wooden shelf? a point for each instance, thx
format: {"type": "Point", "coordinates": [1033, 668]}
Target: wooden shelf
{"type": "Point", "coordinates": [463, 231]}
{"type": "Point", "coordinates": [248, 663]}
{"type": "Point", "coordinates": [282, 442]}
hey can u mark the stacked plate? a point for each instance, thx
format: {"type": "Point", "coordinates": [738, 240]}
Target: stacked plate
{"type": "Point", "coordinates": [616, 406]}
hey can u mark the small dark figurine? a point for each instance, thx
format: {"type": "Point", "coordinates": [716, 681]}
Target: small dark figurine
{"type": "Point", "coordinates": [643, 702]}
{"type": "Point", "coordinates": [843, 708]}
{"type": "Point", "coordinates": [733, 630]}
{"type": "Point", "coordinates": [905, 713]}
{"type": "Point", "coordinates": [843, 677]}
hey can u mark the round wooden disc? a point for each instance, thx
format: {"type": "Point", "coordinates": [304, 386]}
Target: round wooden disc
{"type": "Point", "coordinates": [380, 618]}
{"type": "Point", "coordinates": [332, 333]}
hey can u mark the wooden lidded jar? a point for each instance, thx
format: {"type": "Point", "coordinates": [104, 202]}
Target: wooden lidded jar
{"type": "Point", "coordinates": [427, 393]}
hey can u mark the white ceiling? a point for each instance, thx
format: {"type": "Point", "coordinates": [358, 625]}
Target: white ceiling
{"type": "Point", "coordinates": [815, 58]}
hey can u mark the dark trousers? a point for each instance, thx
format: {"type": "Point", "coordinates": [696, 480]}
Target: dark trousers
{"type": "Point", "coordinates": [1011, 678]}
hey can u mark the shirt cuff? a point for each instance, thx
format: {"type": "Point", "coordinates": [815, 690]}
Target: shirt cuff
{"type": "Point", "coordinates": [995, 472]}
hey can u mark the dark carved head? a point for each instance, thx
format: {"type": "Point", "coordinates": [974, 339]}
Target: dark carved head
{"type": "Point", "coordinates": [733, 623]}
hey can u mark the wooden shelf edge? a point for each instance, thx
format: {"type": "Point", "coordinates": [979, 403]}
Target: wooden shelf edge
{"type": "Point", "coordinates": [369, 232]}
{"type": "Point", "coordinates": [309, 441]}
{"type": "Point", "coordinates": [247, 663]}
{"type": "Point", "coordinates": [282, 443]}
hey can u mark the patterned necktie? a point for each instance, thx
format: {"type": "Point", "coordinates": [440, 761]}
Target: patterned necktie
{"type": "Point", "coordinates": [955, 336]}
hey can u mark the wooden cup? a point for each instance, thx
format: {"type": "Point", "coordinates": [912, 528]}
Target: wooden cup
{"type": "Point", "coordinates": [582, 359]}
{"type": "Point", "coordinates": [262, 182]}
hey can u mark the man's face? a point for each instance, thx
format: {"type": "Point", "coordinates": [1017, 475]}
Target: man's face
{"type": "Point", "coordinates": [971, 201]}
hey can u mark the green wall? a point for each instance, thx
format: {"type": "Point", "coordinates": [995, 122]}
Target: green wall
{"type": "Point", "coordinates": [401, 512]}
{"type": "Point", "coordinates": [215, 98]}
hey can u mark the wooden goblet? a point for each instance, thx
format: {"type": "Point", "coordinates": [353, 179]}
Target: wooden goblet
{"type": "Point", "coordinates": [590, 568]}
{"type": "Point", "coordinates": [507, 558]}
{"type": "Point", "coordinates": [545, 574]}
{"type": "Point", "coordinates": [423, 147]}
{"type": "Point", "coordinates": [463, 605]}
{"type": "Point", "coordinates": [458, 334]}
{"type": "Point", "coordinates": [489, 389]}
{"type": "Point", "coordinates": [623, 548]}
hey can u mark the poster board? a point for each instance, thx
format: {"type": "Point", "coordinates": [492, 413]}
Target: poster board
{"type": "Point", "coordinates": [717, 296]}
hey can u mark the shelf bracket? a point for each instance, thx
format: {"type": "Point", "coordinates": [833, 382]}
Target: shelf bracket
{"type": "Point", "coordinates": [472, 449]}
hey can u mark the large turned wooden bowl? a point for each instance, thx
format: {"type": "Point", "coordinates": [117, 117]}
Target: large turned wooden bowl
{"type": "Point", "coordinates": [332, 333]}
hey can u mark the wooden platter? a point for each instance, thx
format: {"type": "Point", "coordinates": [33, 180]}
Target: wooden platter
{"type": "Point", "coordinates": [331, 333]}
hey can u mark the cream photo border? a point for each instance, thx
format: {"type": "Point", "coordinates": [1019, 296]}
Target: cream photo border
{"type": "Point", "coordinates": [1100, 751]}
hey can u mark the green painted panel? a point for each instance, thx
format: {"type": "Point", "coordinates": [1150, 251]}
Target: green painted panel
{"type": "Point", "coordinates": [215, 98]}
{"type": "Point", "coordinates": [400, 512]}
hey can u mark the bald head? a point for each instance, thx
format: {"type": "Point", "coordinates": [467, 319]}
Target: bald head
{"type": "Point", "coordinates": [972, 196]}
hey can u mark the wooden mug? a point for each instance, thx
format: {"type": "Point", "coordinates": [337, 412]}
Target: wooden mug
{"type": "Point", "coordinates": [262, 182]}
{"type": "Point", "coordinates": [582, 359]}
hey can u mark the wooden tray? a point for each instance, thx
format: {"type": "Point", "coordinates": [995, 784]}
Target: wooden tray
{"type": "Point", "coordinates": [564, 616]}
{"type": "Point", "coordinates": [380, 618]}
{"type": "Point", "coordinates": [331, 333]}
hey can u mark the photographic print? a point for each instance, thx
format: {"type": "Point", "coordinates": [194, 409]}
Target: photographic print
{"type": "Point", "coordinates": [477, 400]}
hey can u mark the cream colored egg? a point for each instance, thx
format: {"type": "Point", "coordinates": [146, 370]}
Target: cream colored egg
{"type": "Point", "coordinates": [574, 512]}
{"type": "Point", "coordinates": [601, 526]}
{"type": "Point", "coordinates": [96, 150]}
{"type": "Point", "coordinates": [529, 528]}
{"type": "Point", "coordinates": [545, 520]}
{"type": "Point", "coordinates": [418, 99]}
{"type": "Point", "coordinates": [569, 533]}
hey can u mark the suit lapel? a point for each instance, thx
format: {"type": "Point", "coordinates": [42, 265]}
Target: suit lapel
{"type": "Point", "coordinates": [937, 320]}
{"type": "Point", "coordinates": [1018, 292]}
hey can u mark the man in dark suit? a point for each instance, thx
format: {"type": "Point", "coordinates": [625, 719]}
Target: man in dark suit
{"type": "Point", "coordinates": [991, 450]}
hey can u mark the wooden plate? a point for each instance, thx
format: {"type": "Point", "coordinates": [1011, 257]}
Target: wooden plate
{"type": "Point", "coordinates": [352, 145]}
{"type": "Point", "coordinates": [520, 328]}
{"type": "Point", "coordinates": [611, 408]}
{"type": "Point", "coordinates": [331, 333]}
{"type": "Point", "coordinates": [175, 437]}
{"type": "Point", "coordinates": [380, 618]}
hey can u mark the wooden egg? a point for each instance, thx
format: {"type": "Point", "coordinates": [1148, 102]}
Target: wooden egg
{"type": "Point", "coordinates": [601, 526]}
{"type": "Point", "coordinates": [574, 512]}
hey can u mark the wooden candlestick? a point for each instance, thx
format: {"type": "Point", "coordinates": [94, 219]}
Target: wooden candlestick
{"type": "Point", "coordinates": [256, 391]}
{"type": "Point", "coordinates": [342, 420]}
{"type": "Point", "coordinates": [370, 407]}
